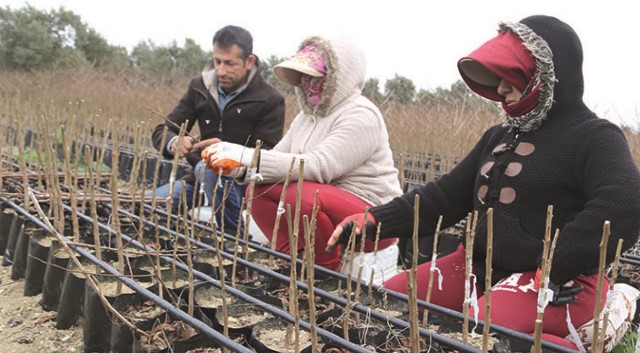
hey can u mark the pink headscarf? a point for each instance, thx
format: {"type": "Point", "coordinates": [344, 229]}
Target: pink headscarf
{"type": "Point", "coordinates": [313, 87]}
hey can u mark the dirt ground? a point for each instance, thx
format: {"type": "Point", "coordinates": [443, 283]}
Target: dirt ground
{"type": "Point", "coordinates": [25, 327]}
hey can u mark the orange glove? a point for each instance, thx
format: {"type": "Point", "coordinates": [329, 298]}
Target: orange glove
{"type": "Point", "coordinates": [368, 225]}
{"type": "Point", "coordinates": [232, 158]}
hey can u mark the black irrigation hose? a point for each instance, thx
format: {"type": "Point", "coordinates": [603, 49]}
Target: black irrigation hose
{"type": "Point", "coordinates": [630, 259]}
{"type": "Point", "coordinates": [357, 307]}
{"type": "Point", "coordinates": [366, 310]}
{"type": "Point", "coordinates": [429, 306]}
{"type": "Point", "coordinates": [633, 259]}
{"type": "Point", "coordinates": [202, 327]}
{"type": "Point", "coordinates": [239, 294]}
{"type": "Point", "coordinates": [338, 300]}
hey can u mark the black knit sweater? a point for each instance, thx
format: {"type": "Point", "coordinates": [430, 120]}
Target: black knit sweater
{"type": "Point", "coordinates": [574, 161]}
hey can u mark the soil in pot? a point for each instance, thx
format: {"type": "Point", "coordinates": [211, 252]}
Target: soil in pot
{"type": "Point", "coordinates": [163, 337]}
{"type": "Point", "coordinates": [302, 301]}
{"type": "Point", "coordinates": [137, 310]}
{"type": "Point", "coordinates": [240, 318]}
{"type": "Point", "coordinates": [380, 301]}
{"type": "Point", "coordinates": [388, 341]}
{"type": "Point", "coordinates": [207, 262]}
{"type": "Point", "coordinates": [253, 255]}
{"type": "Point", "coordinates": [173, 280]}
{"type": "Point", "coordinates": [277, 336]}
{"type": "Point", "coordinates": [39, 245]}
{"type": "Point", "coordinates": [97, 319]}
{"type": "Point", "coordinates": [360, 331]}
{"type": "Point", "coordinates": [209, 296]}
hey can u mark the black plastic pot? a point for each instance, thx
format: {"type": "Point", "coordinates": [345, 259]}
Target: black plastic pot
{"type": "Point", "coordinates": [241, 317]}
{"type": "Point", "coordinates": [124, 166]}
{"type": "Point", "coordinates": [97, 319]}
{"type": "Point", "coordinates": [20, 254]}
{"type": "Point", "coordinates": [173, 344]}
{"type": "Point", "coordinates": [39, 245]}
{"type": "Point", "coordinates": [15, 229]}
{"type": "Point", "coordinates": [197, 341]}
{"type": "Point", "coordinates": [332, 320]}
{"type": "Point", "coordinates": [6, 218]}
{"type": "Point", "coordinates": [57, 262]}
{"type": "Point", "coordinates": [71, 298]}
{"type": "Point", "coordinates": [138, 311]}
{"type": "Point", "coordinates": [207, 263]}
{"type": "Point", "coordinates": [151, 169]}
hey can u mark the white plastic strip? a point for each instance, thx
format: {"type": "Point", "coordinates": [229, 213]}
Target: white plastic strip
{"type": "Point", "coordinates": [574, 333]}
{"type": "Point", "coordinates": [433, 269]}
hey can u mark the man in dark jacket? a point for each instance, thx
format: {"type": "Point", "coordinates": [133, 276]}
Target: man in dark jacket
{"type": "Point", "coordinates": [230, 102]}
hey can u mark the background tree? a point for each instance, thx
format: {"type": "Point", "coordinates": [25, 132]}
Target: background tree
{"type": "Point", "coordinates": [169, 61]}
{"type": "Point", "coordinates": [400, 89]}
{"type": "Point", "coordinates": [270, 77]}
{"type": "Point", "coordinates": [371, 90]}
{"type": "Point", "coordinates": [34, 39]}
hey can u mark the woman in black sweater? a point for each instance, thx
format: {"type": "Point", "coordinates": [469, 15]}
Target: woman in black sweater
{"type": "Point", "coordinates": [550, 150]}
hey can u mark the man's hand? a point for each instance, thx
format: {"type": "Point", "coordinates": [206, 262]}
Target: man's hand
{"type": "Point", "coordinates": [187, 146]}
{"type": "Point", "coordinates": [343, 231]}
{"type": "Point", "coordinates": [206, 143]}
{"type": "Point", "coordinates": [227, 156]}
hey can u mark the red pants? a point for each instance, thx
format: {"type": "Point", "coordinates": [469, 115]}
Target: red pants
{"type": "Point", "coordinates": [513, 299]}
{"type": "Point", "coordinates": [334, 204]}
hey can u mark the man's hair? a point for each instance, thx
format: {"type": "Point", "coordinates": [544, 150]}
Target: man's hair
{"type": "Point", "coordinates": [230, 35]}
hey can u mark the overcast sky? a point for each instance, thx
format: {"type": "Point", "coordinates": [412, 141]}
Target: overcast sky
{"type": "Point", "coordinates": [421, 40]}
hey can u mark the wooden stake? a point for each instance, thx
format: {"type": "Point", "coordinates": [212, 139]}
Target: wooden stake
{"type": "Point", "coordinates": [606, 231]}
{"type": "Point", "coordinates": [425, 317]}
{"type": "Point", "coordinates": [468, 257]}
{"type": "Point", "coordinates": [612, 282]}
{"type": "Point", "coordinates": [487, 282]}
{"type": "Point", "coordinates": [414, 324]}
{"type": "Point", "coordinates": [545, 270]}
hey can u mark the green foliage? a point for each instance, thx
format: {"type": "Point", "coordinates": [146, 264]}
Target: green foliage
{"type": "Point", "coordinates": [270, 77]}
{"type": "Point", "coordinates": [400, 89]}
{"type": "Point", "coordinates": [628, 342]}
{"type": "Point", "coordinates": [31, 39]}
{"type": "Point", "coordinates": [31, 157]}
{"type": "Point", "coordinates": [371, 90]}
{"type": "Point", "coordinates": [169, 61]}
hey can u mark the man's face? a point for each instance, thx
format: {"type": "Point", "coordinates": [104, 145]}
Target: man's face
{"type": "Point", "coordinates": [231, 70]}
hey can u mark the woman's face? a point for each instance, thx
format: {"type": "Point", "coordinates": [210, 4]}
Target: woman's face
{"type": "Point", "coordinates": [312, 88]}
{"type": "Point", "coordinates": [509, 92]}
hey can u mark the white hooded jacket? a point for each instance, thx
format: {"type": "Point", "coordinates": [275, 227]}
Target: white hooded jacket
{"type": "Point", "coordinates": [343, 140]}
